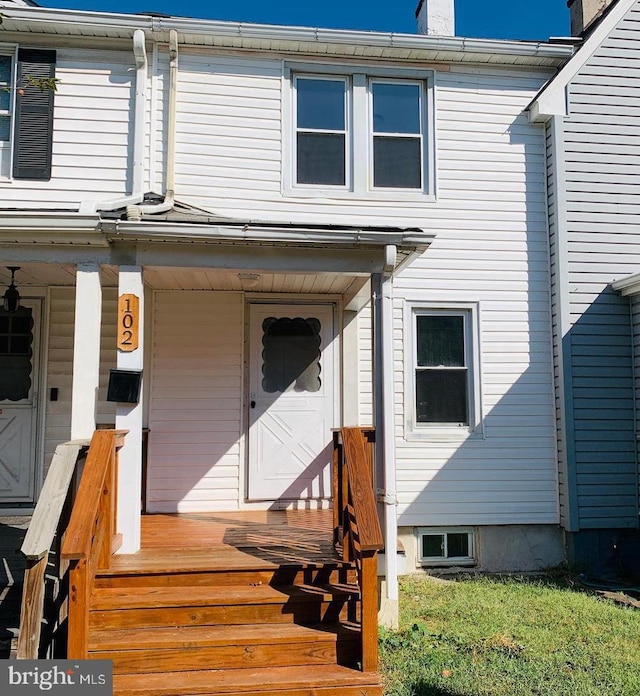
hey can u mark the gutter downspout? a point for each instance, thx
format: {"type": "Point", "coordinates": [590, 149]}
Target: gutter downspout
{"type": "Point", "coordinates": [135, 212]}
{"type": "Point", "coordinates": [137, 193]}
{"type": "Point", "coordinates": [385, 434]}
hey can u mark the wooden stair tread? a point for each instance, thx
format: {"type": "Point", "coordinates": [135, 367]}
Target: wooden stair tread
{"type": "Point", "coordinates": [199, 636]}
{"type": "Point", "coordinates": [113, 598]}
{"type": "Point", "coordinates": [272, 680]}
{"type": "Point", "coordinates": [223, 559]}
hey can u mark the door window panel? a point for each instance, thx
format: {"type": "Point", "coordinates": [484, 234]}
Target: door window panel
{"type": "Point", "coordinates": [16, 354]}
{"type": "Point", "coordinates": [291, 355]}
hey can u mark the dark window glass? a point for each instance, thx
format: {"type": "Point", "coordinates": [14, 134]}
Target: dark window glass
{"type": "Point", "coordinates": [321, 159]}
{"type": "Point", "coordinates": [397, 162]}
{"type": "Point", "coordinates": [291, 355]}
{"type": "Point", "coordinates": [396, 108]}
{"type": "Point", "coordinates": [433, 545]}
{"type": "Point", "coordinates": [20, 325]}
{"type": "Point", "coordinates": [15, 354]}
{"type": "Point", "coordinates": [457, 545]}
{"type": "Point", "coordinates": [440, 341]}
{"type": "Point", "coordinates": [441, 396]}
{"type": "Point", "coordinates": [20, 345]}
{"type": "Point", "coordinates": [321, 104]}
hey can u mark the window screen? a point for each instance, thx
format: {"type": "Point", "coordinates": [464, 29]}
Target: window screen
{"type": "Point", "coordinates": [321, 131]}
{"type": "Point", "coordinates": [397, 135]}
{"type": "Point", "coordinates": [442, 390]}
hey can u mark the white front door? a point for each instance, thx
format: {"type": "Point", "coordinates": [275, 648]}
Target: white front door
{"type": "Point", "coordinates": [291, 401]}
{"type": "Point", "coordinates": [19, 334]}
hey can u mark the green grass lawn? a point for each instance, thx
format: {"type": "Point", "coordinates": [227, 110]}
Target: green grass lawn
{"type": "Point", "coordinates": [509, 637]}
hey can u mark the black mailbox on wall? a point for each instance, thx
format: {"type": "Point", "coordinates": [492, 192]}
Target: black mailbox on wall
{"type": "Point", "coordinates": [124, 386]}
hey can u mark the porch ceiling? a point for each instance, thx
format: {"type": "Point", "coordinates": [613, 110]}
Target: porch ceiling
{"type": "Point", "coordinates": [213, 279]}
{"type": "Point", "coordinates": [167, 278]}
{"type": "Point", "coordinates": [51, 274]}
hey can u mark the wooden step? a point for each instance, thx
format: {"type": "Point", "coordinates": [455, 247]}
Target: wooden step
{"type": "Point", "coordinates": [286, 575]}
{"type": "Point", "coordinates": [228, 647]}
{"type": "Point", "coordinates": [309, 680]}
{"type": "Point", "coordinates": [200, 605]}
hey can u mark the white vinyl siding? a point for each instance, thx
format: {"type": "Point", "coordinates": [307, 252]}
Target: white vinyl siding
{"type": "Point", "coordinates": [195, 402]}
{"type": "Point", "coordinates": [59, 365]}
{"type": "Point", "coordinates": [91, 133]}
{"type": "Point", "coordinates": [491, 248]}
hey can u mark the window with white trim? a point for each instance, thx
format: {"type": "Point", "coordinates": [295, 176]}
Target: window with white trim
{"type": "Point", "coordinates": [396, 132]}
{"type": "Point", "coordinates": [445, 547]}
{"type": "Point", "coordinates": [443, 394]}
{"type": "Point", "coordinates": [6, 109]}
{"type": "Point", "coordinates": [321, 130]}
{"type": "Point", "coordinates": [359, 133]}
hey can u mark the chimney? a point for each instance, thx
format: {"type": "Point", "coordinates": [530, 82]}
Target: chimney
{"type": "Point", "coordinates": [436, 17]}
{"type": "Point", "coordinates": [584, 12]}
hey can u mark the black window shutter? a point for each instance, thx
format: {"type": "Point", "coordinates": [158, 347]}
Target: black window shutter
{"type": "Point", "coordinates": [33, 129]}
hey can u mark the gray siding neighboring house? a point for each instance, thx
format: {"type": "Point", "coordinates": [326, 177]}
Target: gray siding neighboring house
{"type": "Point", "coordinates": [591, 113]}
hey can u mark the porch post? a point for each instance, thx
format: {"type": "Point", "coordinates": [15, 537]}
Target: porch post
{"type": "Point", "coordinates": [384, 407]}
{"type": "Point", "coordinates": [86, 351]}
{"type": "Point", "coordinates": [129, 417]}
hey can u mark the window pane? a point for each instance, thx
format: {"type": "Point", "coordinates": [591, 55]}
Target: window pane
{"type": "Point", "coordinates": [291, 355]}
{"type": "Point", "coordinates": [396, 108]}
{"type": "Point", "coordinates": [321, 159]}
{"type": "Point", "coordinates": [441, 396]}
{"type": "Point", "coordinates": [5, 70]}
{"type": "Point", "coordinates": [397, 162]}
{"type": "Point", "coordinates": [321, 104]}
{"type": "Point", "coordinates": [5, 99]}
{"type": "Point", "coordinates": [5, 128]}
{"type": "Point", "coordinates": [433, 545]}
{"type": "Point", "coordinates": [457, 545]}
{"type": "Point", "coordinates": [440, 341]}
{"type": "Point", "coordinates": [15, 356]}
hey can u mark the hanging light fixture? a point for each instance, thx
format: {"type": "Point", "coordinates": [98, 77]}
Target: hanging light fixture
{"type": "Point", "coordinates": [11, 294]}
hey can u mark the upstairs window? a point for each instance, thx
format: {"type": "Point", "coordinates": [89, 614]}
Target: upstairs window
{"type": "Point", "coordinates": [321, 131]}
{"type": "Point", "coordinates": [398, 119]}
{"type": "Point", "coordinates": [6, 94]}
{"type": "Point", "coordinates": [27, 85]}
{"type": "Point", "coordinates": [359, 133]}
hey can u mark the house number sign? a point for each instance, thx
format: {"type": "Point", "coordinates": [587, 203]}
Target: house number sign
{"type": "Point", "coordinates": [128, 322]}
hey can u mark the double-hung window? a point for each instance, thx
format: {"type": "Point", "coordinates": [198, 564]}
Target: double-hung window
{"type": "Point", "coordinates": [6, 109]}
{"type": "Point", "coordinates": [321, 131]}
{"type": "Point", "coordinates": [360, 133]}
{"type": "Point", "coordinates": [27, 85]}
{"type": "Point", "coordinates": [443, 370]}
{"type": "Point", "coordinates": [397, 134]}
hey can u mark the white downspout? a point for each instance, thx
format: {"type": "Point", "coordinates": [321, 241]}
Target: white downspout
{"type": "Point", "coordinates": [385, 421]}
{"type": "Point", "coordinates": [137, 193]}
{"type": "Point", "coordinates": [134, 212]}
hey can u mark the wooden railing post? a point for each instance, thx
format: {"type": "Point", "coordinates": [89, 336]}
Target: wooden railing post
{"type": "Point", "coordinates": [357, 519]}
{"type": "Point", "coordinates": [369, 609]}
{"type": "Point", "coordinates": [79, 592]}
{"type": "Point", "coordinates": [90, 538]}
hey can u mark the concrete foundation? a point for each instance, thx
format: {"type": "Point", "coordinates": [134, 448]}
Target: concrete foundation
{"type": "Point", "coordinates": [502, 549]}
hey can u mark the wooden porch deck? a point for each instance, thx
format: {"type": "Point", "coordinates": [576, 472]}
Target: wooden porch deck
{"type": "Point", "coordinates": [265, 539]}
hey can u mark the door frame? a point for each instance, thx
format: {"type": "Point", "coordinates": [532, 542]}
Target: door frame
{"type": "Point", "coordinates": [333, 301]}
{"type": "Point", "coordinates": [40, 340]}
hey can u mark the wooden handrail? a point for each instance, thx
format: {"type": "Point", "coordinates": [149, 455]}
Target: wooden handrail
{"type": "Point", "coordinates": [39, 540]}
{"type": "Point", "coordinates": [357, 527]}
{"type": "Point", "coordinates": [90, 539]}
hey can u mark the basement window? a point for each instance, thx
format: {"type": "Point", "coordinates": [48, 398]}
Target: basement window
{"type": "Point", "coordinates": [445, 547]}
